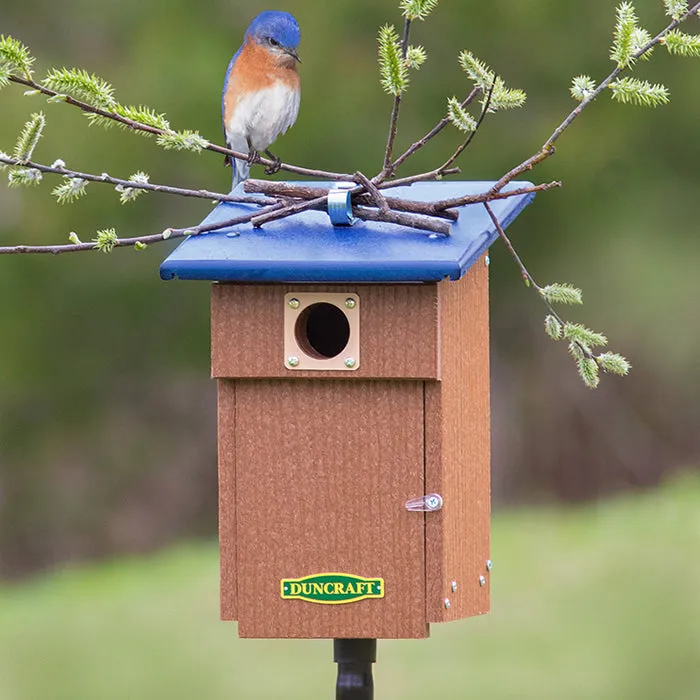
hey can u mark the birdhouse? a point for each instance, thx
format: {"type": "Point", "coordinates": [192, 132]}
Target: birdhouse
{"type": "Point", "coordinates": [352, 365]}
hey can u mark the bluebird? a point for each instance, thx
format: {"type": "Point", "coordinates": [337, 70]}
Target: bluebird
{"type": "Point", "coordinates": [261, 89]}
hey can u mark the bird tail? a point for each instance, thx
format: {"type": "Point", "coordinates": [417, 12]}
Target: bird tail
{"type": "Point", "coordinates": [241, 172]}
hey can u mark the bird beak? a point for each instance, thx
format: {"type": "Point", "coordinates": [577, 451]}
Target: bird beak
{"type": "Point", "coordinates": [293, 54]}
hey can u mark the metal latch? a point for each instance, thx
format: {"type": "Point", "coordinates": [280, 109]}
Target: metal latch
{"type": "Point", "coordinates": [425, 504]}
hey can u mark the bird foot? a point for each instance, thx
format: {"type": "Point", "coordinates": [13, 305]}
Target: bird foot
{"type": "Point", "coordinates": [276, 164]}
{"type": "Point", "coordinates": [253, 157]}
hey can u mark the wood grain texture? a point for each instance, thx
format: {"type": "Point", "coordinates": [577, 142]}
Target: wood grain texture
{"type": "Point", "coordinates": [398, 331]}
{"type": "Point", "coordinates": [228, 593]}
{"type": "Point", "coordinates": [323, 472]}
{"type": "Point", "coordinates": [457, 413]}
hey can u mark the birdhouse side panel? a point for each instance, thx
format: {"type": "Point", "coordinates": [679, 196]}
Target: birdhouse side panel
{"type": "Point", "coordinates": [323, 472]}
{"type": "Point", "coordinates": [397, 327]}
{"type": "Point", "coordinates": [227, 498]}
{"type": "Point", "coordinates": [458, 453]}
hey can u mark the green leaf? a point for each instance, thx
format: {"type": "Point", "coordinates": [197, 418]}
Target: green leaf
{"type": "Point", "coordinates": [417, 9]}
{"type": "Point", "coordinates": [503, 98]}
{"type": "Point", "coordinates": [4, 75]}
{"type": "Point", "coordinates": [182, 141]}
{"type": "Point", "coordinates": [680, 44]}
{"type": "Point", "coordinates": [561, 294]}
{"type": "Point", "coordinates": [129, 194]}
{"type": "Point", "coordinates": [15, 56]}
{"type": "Point", "coordinates": [676, 8]}
{"type": "Point", "coordinates": [143, 115]}
{"type": "Point", "coordinates": [459, 117]}
{"type": "Point", "coordinates": [552, 327]}
{"type": "Point", "coordinates": [29, 137]}
{"type": "Point", "coordinates": [588, 369]}
{"type": "Point", "coordinates": [639, 92]}
{"type": "Point", "coordinates": [640, 39]}
{"type": "Point", "coordinates": [585, 336]}
{"type": "Point", "coordinates": [140, 245]}
{"type": "Point", "coordinates": [622, 51]}
{"type": "Point", "coordinates": [614, 363]}
{"type": "Point", "coordinates": [23, 177]}
{"type": "Point", "coordinates": [393, 70]}
{"type": "Point", "coordinates": [582, 87]}
{"type": "Point", "coordinates": [105, 240]}
{"type": "Point", "coordinates": [483, 77]}
{"type": "Point", "coordinates": [415, 57]}
{"type": "Point", "coordinates": [73, 188]}
{"type": "Point", "coordinates": [80, 85]}
{"type": "Point", "coordinates": [73, 238]}
{"type": "Point", "coordinates": [477, 71]}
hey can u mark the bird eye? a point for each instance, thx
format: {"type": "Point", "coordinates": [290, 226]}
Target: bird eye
{"type": "Point", "coordinates": [274, 42]}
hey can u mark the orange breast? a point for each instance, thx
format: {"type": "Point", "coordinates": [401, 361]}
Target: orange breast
{"type": "Point", "coordinates": [256, 68]}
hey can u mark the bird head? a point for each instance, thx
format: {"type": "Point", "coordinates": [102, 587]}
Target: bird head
{"type": "Point", "coordinates": [278, 32]}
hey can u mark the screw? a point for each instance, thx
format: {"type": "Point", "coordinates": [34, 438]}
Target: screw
{"type": "Point", "coordinates": [489, 565]}
{"type": "Point", "coordinates": [487, 261]}
{"type": "Point", "coordinates": [350, 303]}
{"type": "Point", "coordinates": [447, 603]}
{"type": "Point", "coordinates": [293, 361]}
{"type": "Point", "coordinates": [482, 581]}
{"type": "Point", "coordinates": [433, 502]}
{"type": "Point", "coordinates": [294, 303]}
{"type": "Point", "coordinates": [454, 586]}
{"type": "Point", "coordinates": [350, 362]}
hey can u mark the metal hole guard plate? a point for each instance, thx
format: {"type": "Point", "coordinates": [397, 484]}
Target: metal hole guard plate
{"type": "Point", "coordinates": [340, 204]}
{"type": "Point", "coordinates": [296, 357]}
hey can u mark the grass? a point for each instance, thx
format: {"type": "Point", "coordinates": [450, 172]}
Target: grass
{"type": "Point", "coordinates": [599, 602]}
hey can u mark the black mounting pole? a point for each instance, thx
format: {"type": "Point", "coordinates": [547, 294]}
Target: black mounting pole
{"type": "Point", "coordinates": [354, 658]}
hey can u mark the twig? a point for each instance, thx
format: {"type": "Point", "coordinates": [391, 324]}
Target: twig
{"type": "Point", "coordinates": [432, 133]}
{"type": "Point", "coordinates": [529, 279]}
{"type": "Point", "coordinates": [470, 138]}
{"type": "Point", "coordinates": [490, 195]}
{"type": "Point", "coordinates": [393, 122]}
{"type": "Point", "coordinates": [119, 182]}
{"type": "Point", "coordinates": [138, 126]}
{"type": "Point", "coordinates": [443, 208]}
{"type": "Point", "coordinates": [168, 234]}
{"type": "Point", "coordinates": [417, 221]}
{"type": "Point", "coordinates": [373, 192]}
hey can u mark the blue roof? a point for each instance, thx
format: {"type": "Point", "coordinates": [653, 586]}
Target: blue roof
{"type": "Point", "coordinates": [308, 248]}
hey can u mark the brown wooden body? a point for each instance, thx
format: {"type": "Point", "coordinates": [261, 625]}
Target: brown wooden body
{"type": "Point", "coordinates": [315, 467]}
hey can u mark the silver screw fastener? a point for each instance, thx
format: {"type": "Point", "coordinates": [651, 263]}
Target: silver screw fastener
{"type": "Point", "coordinates": [350, 362]}
{"type": "Point", "coordinates": [447, 603]}
{"type": "Point", "coordinates": [482, 581]}
{"type": "Point", "coordinates": [293, 361]}
{"type": "Point", "coordinates": [433, 502]}
{"type": "Point", "coordinates": [454, 586]}
{"type": "Point", "coordinates": [350, 303]}
{"type": "Point", "coordinates": [294, 303]}
{"type": "Point", "coordinates": [489, 565]}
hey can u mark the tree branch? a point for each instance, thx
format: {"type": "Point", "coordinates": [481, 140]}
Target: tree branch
{"type": "Point", "coordinates": [443, 208]}
{"type": "Point", "coordinates": [548, 148]}
{"type": "Point", "coordinates": [153, 131]}
{"type": "Point", "coordinates": [119, 182]}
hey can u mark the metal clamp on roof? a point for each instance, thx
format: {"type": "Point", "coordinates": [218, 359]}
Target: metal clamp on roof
{"type": "Point", "coordinates": [340, 204]}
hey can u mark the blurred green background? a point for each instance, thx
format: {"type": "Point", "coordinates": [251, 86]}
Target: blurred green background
{"type": "Point", "coordinates": [107, 415]}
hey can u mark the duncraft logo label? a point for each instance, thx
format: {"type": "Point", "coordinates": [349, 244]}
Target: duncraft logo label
{"type": "Point", "coordinates": [332, 589]}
